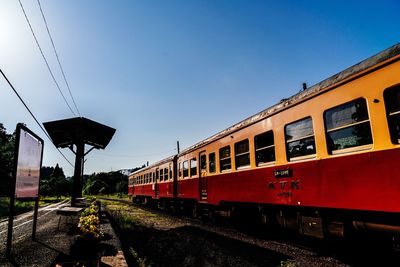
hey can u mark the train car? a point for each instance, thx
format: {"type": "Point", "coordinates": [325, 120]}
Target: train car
{"type": "Point", "coordinates": [141, 185]}
{"type": "Point", "coordinates": [322, 162]}
{"type": "Point", "coordinates": [154, 183]}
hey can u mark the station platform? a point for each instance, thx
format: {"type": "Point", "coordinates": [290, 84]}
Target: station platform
{"type": "Point", "coordinates": [59, 245]}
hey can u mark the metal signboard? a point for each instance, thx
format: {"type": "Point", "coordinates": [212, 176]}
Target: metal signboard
{"type": "Point", "coordinates": [30, 150]}
{"type": "Point", "coordinates": [27, 164]}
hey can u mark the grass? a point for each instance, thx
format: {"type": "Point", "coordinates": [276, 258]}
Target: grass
{"type": "Point", "coordinates": [116, 195]}
{"type": "Point", "coordinates": [22, 206]}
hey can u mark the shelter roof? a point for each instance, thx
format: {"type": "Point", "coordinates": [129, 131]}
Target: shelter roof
{"type": "Point", "coordinates": [75, 130]}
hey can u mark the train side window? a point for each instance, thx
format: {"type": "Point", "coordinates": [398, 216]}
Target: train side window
{"type": "Point", "coordinates": [161, 175]}
{"type": "Point", "coordinates": [180, 169]}
{"type": "Point", "coordinates": [265, 148]}
{"type": "Point", "coordinates": [165, 174]}
{"type": "Point", "coordinates": [392, 103]}
{"type": "Point", "coordinates": [203, 162]}
{"type": "Point", "coordinates": [211, 162]}
{"type": "Point", "coordinates": [242, 154]}
{"type": "Point", "coordinates": [185, 169]}
{"type": "Point", "coordinates": [225, 158]}
{"type": "Point", "coordinates": [300, 140]}
{"type": "Point", "coordinates": [170, 171]}
{"type": "Point", "coordinates": [193, 167]}
{"type": "Point", "coordinates": [154, 177]}
{"type": "Point", "coordinates": [347, 126]}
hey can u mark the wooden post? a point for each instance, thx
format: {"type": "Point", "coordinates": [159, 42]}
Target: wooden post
{"type": "Point", "coordinates": [77, 182]}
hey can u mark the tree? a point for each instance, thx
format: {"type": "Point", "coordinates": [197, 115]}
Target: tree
{"type": "Point", "coordinates": [53, 182]}
{"type": "Point", "coordinates": [106, 183]}
{"type": "Point", "coordinates": [7, 150]}
{"type": "Point", "coordinates": [58, 172]}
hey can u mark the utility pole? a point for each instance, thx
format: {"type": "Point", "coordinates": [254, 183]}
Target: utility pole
{"type": "Point", "coordinates": [177, 146]}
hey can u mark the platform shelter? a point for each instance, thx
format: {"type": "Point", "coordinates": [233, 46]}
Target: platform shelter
{"type": "Point", "coordinates": [75, 133]}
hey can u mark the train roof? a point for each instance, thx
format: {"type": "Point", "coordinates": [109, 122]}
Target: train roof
{"type": "Point", "coordinates": [385, 57]}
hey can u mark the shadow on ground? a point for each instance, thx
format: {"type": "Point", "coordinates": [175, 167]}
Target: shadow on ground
{"type": "Point", "coordinates": [191, 246]}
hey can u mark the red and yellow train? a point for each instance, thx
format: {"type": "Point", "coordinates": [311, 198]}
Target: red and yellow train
{"type": "Point", "coordinates": [321, 162]}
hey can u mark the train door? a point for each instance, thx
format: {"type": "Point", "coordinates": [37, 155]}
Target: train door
{"type": "Point", "coordinates": [156, 189]}
{"type": "Point", "coordinates": [203, 176]}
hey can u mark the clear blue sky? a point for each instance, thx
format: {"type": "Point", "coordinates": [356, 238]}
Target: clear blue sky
{"type": "Point", "coordinates": [162, 71]}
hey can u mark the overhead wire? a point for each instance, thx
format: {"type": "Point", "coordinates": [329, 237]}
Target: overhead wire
{"type": "Point", "coordinates": [58, 59]}
{"type": "Point", "coordinates": [33, 116]}
{"type": "Point", "coordinates": [44, 58]}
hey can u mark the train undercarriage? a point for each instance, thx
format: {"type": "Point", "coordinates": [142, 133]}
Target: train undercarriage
{"type": "Point", "coordinates": [312, 222]}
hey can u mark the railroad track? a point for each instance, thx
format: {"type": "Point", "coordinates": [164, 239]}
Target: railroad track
{"type": "Point", "coordinates": [22, 225]}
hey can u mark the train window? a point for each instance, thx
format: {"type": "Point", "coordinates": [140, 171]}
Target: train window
{"type": "Point", "coordinates": [211, 162]}
{"type": "Point", "coordinates": [203, 162]}
{"type": "Point", "coordinates": [392, 103]}
{"type": "Point", "coordinates": [193, 167]}
{"type": "Point", "coordinates": [170, 171]}
{"type": "Point", "coordinates": [161, 174]}
{"type": "Point", "coordinates": [225, 158]}
{"type": "Point", "coordinates": [165, 174]}
{"type": "Point", "coordinates": [300, 140]}
{"type": "Point", "coordinates": [242, 154]}
{"type": "Point", "coordinates": [347, 126]}
{"type": "Point", "coordinates": [185, 169]}
{"type": "Point", "coordinates": [180, 169]}
{"type": "Point", "coordinates": [265, 148]}
{"type": "Point", "coordinates": [154, 177]}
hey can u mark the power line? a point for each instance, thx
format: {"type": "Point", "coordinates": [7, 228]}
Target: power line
{"type": "Point", "coordinates": [33, 116]}
{"type": "Point", "coordinates": [58, 59]}
{"type": "Point", "coordinates": [45, 60]}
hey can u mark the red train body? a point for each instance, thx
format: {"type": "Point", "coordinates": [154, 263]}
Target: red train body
{"type": "Point", "coordinates": [322, 161]}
